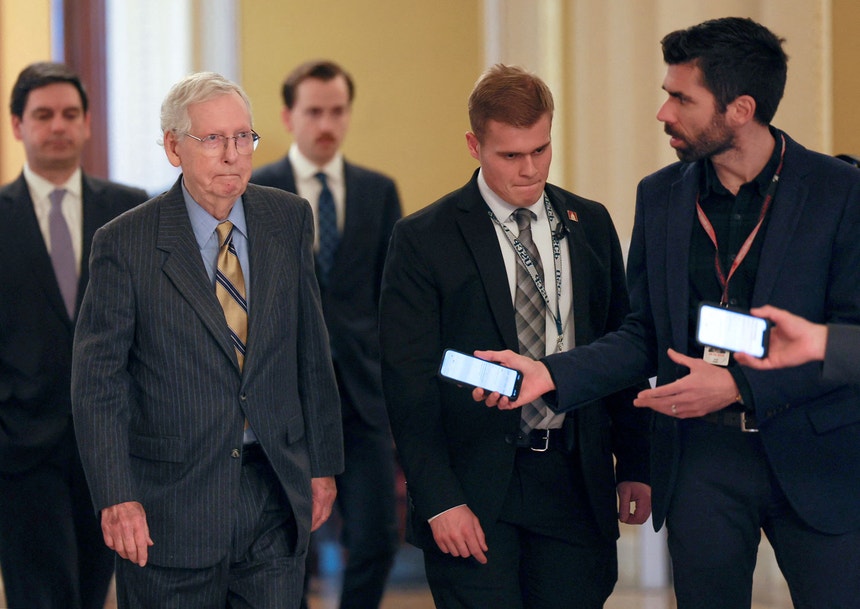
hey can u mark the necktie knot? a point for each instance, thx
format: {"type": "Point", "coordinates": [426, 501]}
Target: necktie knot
{"type": "Point", "coordinates": [56, 197]}
{"type": "Point", "coordinates": [322, 177]}
{"type": "Point", "coordinates": [524, 219]}
{"type": "Point", "coordinates": [224, 230]}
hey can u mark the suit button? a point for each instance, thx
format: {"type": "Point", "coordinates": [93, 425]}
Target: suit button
{"type": "Point", "coordinates": [236, 453]}
{"type": "Point", "coordinates": [243, 397]}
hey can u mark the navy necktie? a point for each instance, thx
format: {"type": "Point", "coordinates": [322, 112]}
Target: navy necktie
{"type": "Point", "coordinates": [62, 252]}
{"type": "Point", "coordinates": [327, 220]}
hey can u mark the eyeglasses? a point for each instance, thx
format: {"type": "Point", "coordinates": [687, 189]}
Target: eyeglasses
{"type": "Point", "coordinates": [213, 144]}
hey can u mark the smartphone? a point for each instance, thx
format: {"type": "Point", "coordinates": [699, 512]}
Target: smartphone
{"type": "Point", "coordinates": [732, 330]}
{"type": "Point", "coordinates": [469, 370]}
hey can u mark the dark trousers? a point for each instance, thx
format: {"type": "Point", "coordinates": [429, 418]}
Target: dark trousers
{"type": "Point", "coordinates": [366, 508]}
{"type": "Point", "coordinates": [366, 504]}
{"type": "Point", "coordinates": [724, 497]}
{"type": "Point", "coordinates": [545, 550]}
{"type": "Point", "coordinates": [52, 551]}
{"type": "Point", "coordinates": [262, 571]}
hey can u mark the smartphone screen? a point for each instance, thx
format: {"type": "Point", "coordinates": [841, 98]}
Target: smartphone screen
{"type": "Point", "coordinates": [732, 330]}
{"type": "Point", "coordinates": [469, 370]}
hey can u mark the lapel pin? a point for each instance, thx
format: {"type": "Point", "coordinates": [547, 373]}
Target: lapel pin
{"type": "Point", "coordinates": [571, 215]}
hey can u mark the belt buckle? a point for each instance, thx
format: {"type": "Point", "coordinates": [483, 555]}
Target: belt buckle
{"type": "Point", "coordinates": [538, 449]}
{"type": "Point", "coordinates": [744, 427]}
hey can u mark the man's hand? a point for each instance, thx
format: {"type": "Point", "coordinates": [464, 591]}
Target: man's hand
{"type": "Point", "coordinates": [457, 532]}
{"type": "Point", "coordinates": [793, 341]}
{"type": "Point", "coordinates": [536, 379]}
{"type": "Point", "coordinates": [634, 502]}
{"type": "Point", "coordinates": [707, 388]}
{"type": "Point", "coordinates": [323, 491]}
{"type": "Point", "coordinates": [126, 532]}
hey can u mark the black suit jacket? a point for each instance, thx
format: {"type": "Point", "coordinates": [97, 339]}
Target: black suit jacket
{"type": "Point", "coordinates": [351, 300]}
{"type": "Point", "coordinates": [842, 358]}
{"type": "Point", "coordinates": [809, 265]}
{"type": "Point", "coordinates": [445, 285]}
{"type": "Point", "coordinates": [35, 329]}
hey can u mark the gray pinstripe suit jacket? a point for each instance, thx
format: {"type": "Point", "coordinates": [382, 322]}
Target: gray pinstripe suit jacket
{"type": "Point", "coordinates": [157, 395]}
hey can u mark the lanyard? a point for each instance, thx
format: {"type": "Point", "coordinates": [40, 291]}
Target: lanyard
{"type": "Point", "coordinates": [745, 248]}
{"type": "Point", "coordinates": [531, 269]}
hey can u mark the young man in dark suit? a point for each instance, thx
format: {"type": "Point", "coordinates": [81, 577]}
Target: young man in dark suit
{"type": "Point", "coordinates": [51, 549]}
{"type": "Point", "coordinates": [747, 217]}
{"type": "Point", "coordinates": [202, 388]}
{"type": "Point", "coordinates": [318, 99]}
{"type": "Point", "coordinates": [509, 512]}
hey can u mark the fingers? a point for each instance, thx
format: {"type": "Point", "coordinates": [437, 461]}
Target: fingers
{"type": "Point", "coordinates": [458, 532]}
{"type": "Point", "coordinates": [126, 531]}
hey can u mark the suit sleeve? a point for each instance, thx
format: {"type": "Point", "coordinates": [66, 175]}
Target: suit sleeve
{"type": "Point", "coordinates": [101, 385]}
{"type": "Point", "coordinates": [410, 343]}
{"type": "Point", "coordinates": [842, 358]}
{"type": "Point", "coordinates": [630, 432]}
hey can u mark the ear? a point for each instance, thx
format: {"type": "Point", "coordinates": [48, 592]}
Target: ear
{"type": "Point", "coordinates": [742, 110]}
{"type": "Point", "coordinates": [171, 147]}
{"type": "Point", "coordinates": [287, 118]}
{"type": "Point", "coordinates": [16, 127]}
{"type": "Point", "coordinates": [474, 145]}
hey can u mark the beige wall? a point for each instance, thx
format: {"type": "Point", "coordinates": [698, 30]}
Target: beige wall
{"type": "Point", "coordinates": [846, 80]}
{"type": "Point", "coordinates": [414, 65]}
{"type": "Point", "coordinates": [25, 37]}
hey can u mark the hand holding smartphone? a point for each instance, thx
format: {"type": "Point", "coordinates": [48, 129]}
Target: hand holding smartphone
{"type": "Point", "coordinates": [732, 330]}
{"type": "Point", "coordinates": [465, 369]}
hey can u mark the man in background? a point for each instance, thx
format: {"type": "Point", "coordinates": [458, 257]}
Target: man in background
{"type": "Point", "coordinates": [355, 209]}
{"type": "Point", "coordinates": [51, 549]}
{"type": "Point", "coordinates": [510, 510]}
{"type": "Point", "coordinates": [202, 388]}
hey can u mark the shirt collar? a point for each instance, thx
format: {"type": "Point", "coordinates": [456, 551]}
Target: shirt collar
{"type": "Point", "coordinates": [501, 208]}
{"type": "Point", "coordinates": [305, 169]}
{"type": "Point", "coordinates": [204, 224]}
{"type": "Point", "coordinates": [40, 187]}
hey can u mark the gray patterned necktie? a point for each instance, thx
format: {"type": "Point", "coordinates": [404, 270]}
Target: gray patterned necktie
{"type": "Point", "coordinates": [530, 314]}
{"type": "Point", "coordinates": [62, 252]}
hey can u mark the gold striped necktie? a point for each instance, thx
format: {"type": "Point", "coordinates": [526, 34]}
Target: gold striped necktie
{"type": "Point", "coordinates": [230, 290]}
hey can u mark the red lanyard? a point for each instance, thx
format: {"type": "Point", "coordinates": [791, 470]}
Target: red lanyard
{"type": "Point", "coordinates": [745, 248]}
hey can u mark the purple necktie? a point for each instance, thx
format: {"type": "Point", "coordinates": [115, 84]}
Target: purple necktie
{"type": "Point", "coordinates": [62, 252]}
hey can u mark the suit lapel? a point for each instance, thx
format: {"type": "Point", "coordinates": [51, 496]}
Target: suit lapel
{"type": "Point", "coordinates": [266, 264]}
{"type": "Point", "coordinates": [680, 212]}
{"type": "Point", "coordinates": [480, 236]}
{"type": "Point", "coordinates": [184, 267]}
{"type": "Point", "coordinates": [785, 214]}
{"type": "Point", "coordinates": [26, 239]}
{"type": "Point", "coordinates": [579, 259]}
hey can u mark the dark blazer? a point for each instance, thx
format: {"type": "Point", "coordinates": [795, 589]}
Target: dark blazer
{"type": "Point", "coordinates": [445, 285]}
{"type": "Point", "coordinates": [842, 358]}
{"type": "Point", "coordinates": [158, 398]}
{"type": "Point", "coordinates": [810, 265]}
{"type": "Point", "coordinates": [35, 329]}
{"type": "Point", "coordinates": [351, 300]}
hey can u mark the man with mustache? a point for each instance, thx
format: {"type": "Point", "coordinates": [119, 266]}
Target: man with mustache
{"type": "Point", "coordinates": [51, 547]}
{"type": "Point", "coordinates": [747, 217]}
{"type": "Point", "coordinates": [355, 209]}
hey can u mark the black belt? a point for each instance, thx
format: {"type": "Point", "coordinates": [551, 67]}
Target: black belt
{"type": "Point", "coordinates": [736, 419]}
{"type": "Point", "coordinates": [253, 453]}
{"type": "Point", "coordinates": [540, 440]}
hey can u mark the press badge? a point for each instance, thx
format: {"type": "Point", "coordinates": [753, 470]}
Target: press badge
{"type": "Point", "coordinates": [717, 357]}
